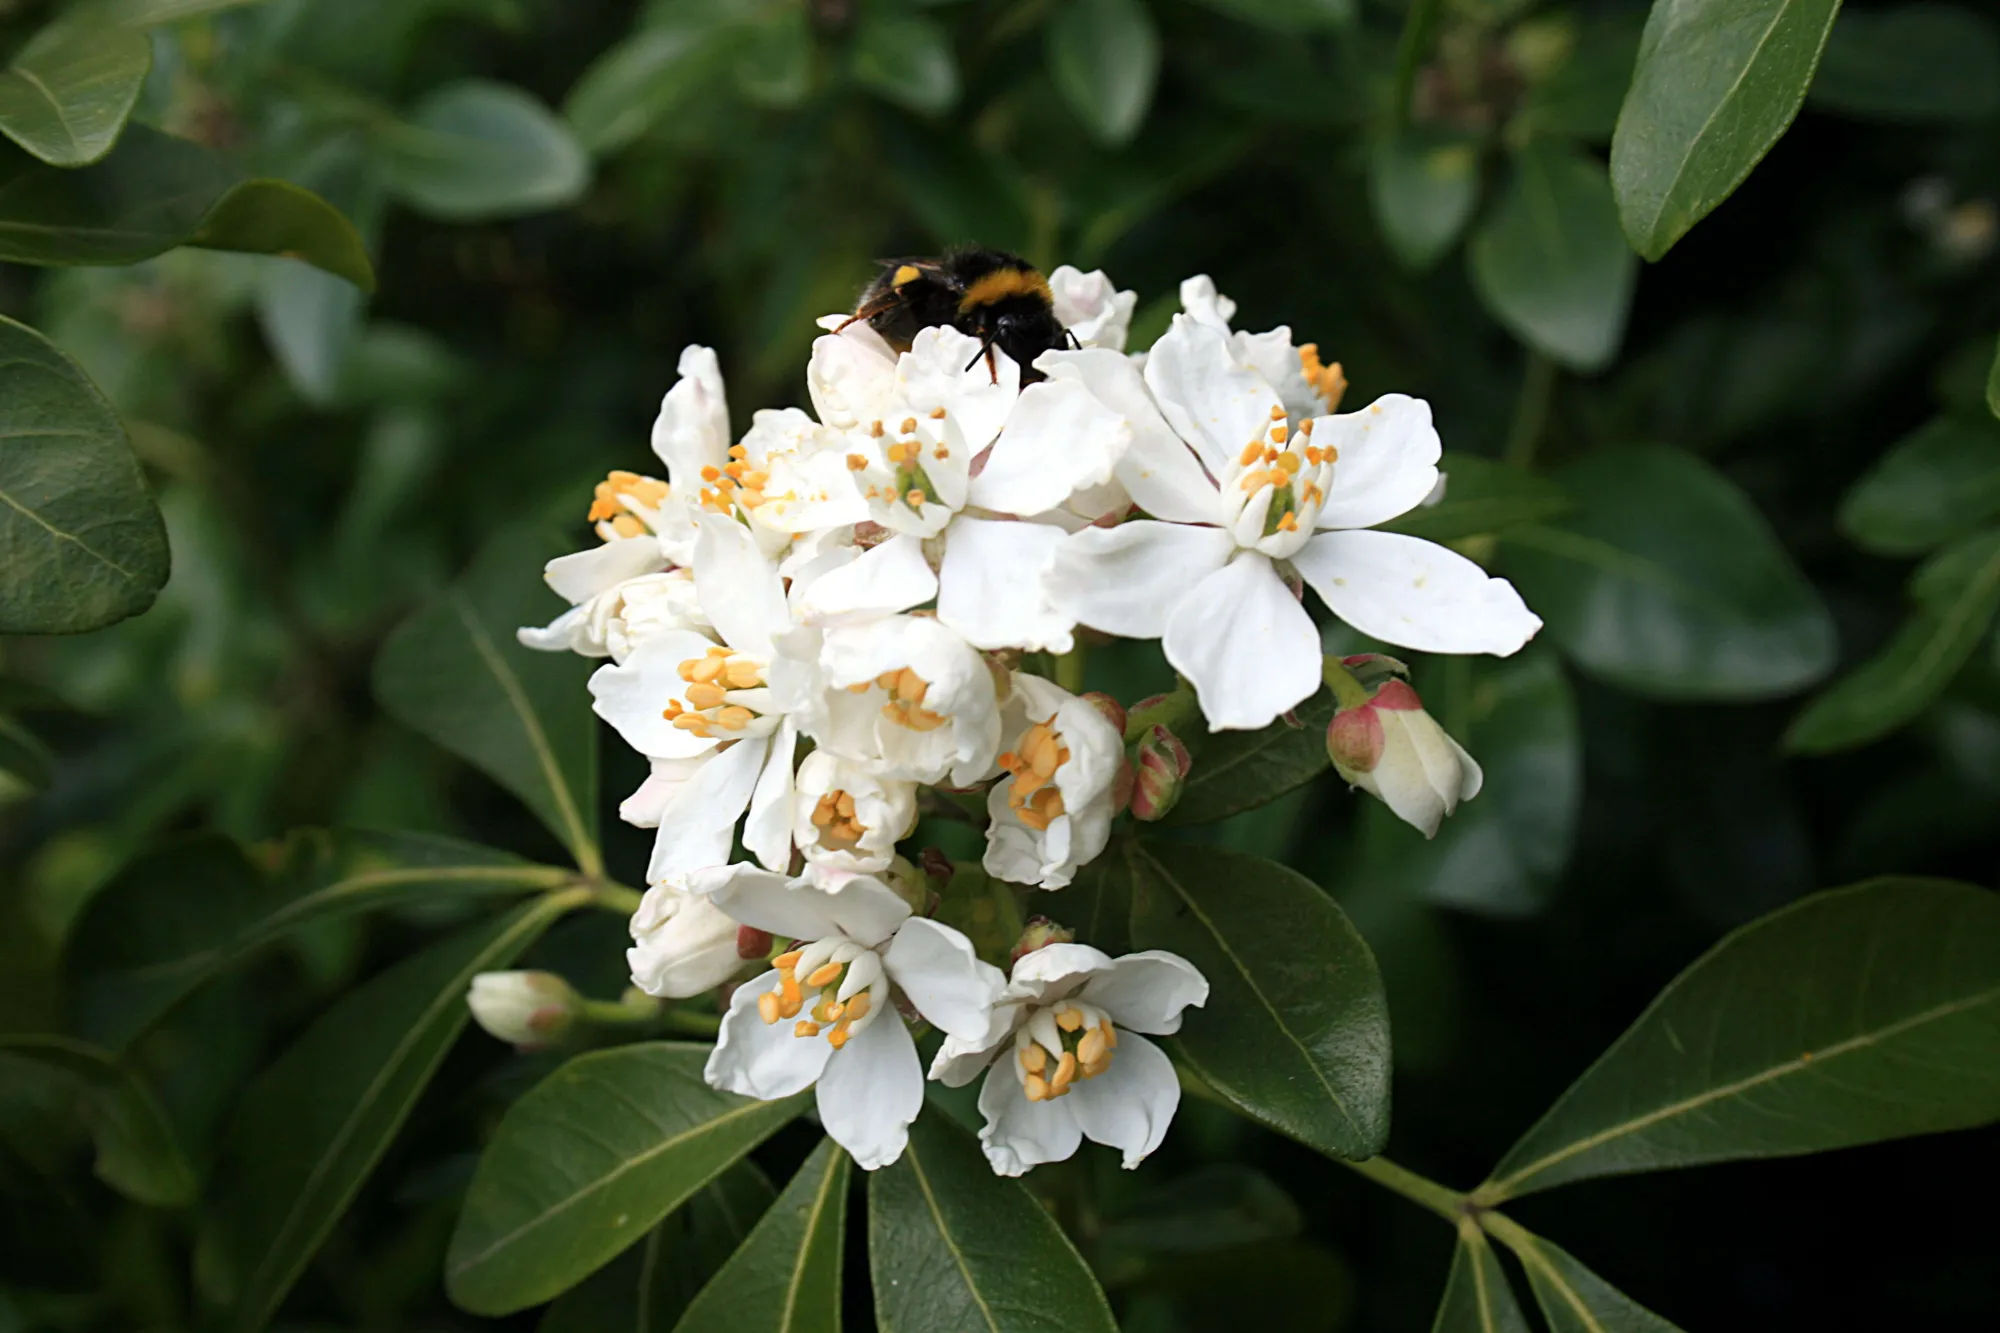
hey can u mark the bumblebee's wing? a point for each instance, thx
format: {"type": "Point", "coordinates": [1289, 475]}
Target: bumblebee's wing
{"type": "Point", "coordinates": [897, 272]}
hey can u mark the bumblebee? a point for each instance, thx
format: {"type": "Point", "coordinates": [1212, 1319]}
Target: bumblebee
{"type": "Point", "coordinates": [998, 298]}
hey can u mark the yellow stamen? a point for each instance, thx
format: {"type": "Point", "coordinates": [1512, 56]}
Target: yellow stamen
{"type": "Point", "coordinates": [767, 1006]}
{"type": "Point", "coordinates": [909, 426]}
{"type": "Point", "coordinates": [1035, 1087]}
{"type": "Point", "coordinates": [858, 1007]}
{"type": "Point", "coordinates": [855, 462]}
{"type": "Point", "coordinates": [824, 974]}
{"type": "Point", "coordinates": [705, 696]}
{"type": "Point", "coordinates": [1064, 1075]}
{"type": "Point", "coordinates": [785, 962]}
{"type": "Point", "coordinates": [1034, 1059]}
{"type": "Point", "coordinates": [1069, 1020]}
{"type": "Point", "coordinates": [915, 497]}
{"type": "Point", "coordinates": [805, 1027]}
{"type": "Point", "coordinates": [734, 718]}
{"type": "Point", "coordinates": [1091, 1049]}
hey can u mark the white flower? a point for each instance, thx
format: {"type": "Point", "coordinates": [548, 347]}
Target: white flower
{"type": "Point", "coordinates": [1091, 307]}
{"type": "Point", "coordinates": [826, 1012]}
{"type": "Point", "coordinates": [613, 619]}
{"type": "Point", "coordinates": [1242, 502]}
{"type": "Point", "coordinates": [908, 695]}
{"type": "Point", "coordinates": [527, 1009]}
{"type": "Point", "coordinates": [709, 711]}
{"type": "Point", "coordinates": [1052, 811]}
{"type": "Point", "coordinates": [846, 817]}
{"type": "Point", "coordinates": [682, 943]}
{"type": "Point", "coordinates": [1304, 386]}
{"type": "Point", "coordinates": [1066, 1063]}
{"type": "Point", "coordinates": [1392, 749]}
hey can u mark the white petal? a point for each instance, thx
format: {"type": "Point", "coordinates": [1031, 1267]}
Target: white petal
{"type": "Point", "coordinates": [959, 1061]}
{"type": "Point", "coordinates": [1059, 439]}
{"type": "Point", "coordinates": [740, 590]}
{"type": "Point", "coordinates": [937, 968]}
{"type": "Point", "coordinates": [892, 576]}
{"type": "Point", "coordinates": [692, 430]}
{"type": "Point", "coordinates": [1128, 579]}
{"type": "Point", "coordinates": [699, 822]}
{"type": "Point", "coordinates": [650, 798]}
{"type": "Point", "coordinates": [768, 831]}
{"type": "Point", "coordinates": [1213, 402]}
{"type": "Point", "coordinates": [691, 952]}
{"type": "Point", "coordinates": [1129, 1105]}
{"type": "Point", "coordinates": [861, 908]}
{"type": "Point", "coordinates": [1204, 303]}
{"type": "Point", "coordinates": [680, 848]}
{"type": "Point", "coordinates": [1057, 968]}
{"type": "Point", "coordinates": [851, 376]}
{"type": "Point", "coordinates": [759, 1059]}
{"type": "Point", "coordinates": [1160, 471]}
{"type": "Point", "coordinates": [871, 1091]}
{"type": "Point", "coordinates": [1407, 591]}
{"type": "Point", "coordinates": [1246, 643]}
{"type": "Point", "coordinates": [1387, 462]}
{"type": "Point", "coordinates": [943, 368]}
{"type": "Point", "coordinates": [993, 588]}
{"type": "Point", "coordinates": [581, 575]}
{"type": "Point", "coordinates": [1146, 991]}
{"type": "Point", "coordinates": [1091, 307]}
{"type": "Point", "coordinates": [1018, 1133]}
{"type": "Point", "coordinates": [633, 695]}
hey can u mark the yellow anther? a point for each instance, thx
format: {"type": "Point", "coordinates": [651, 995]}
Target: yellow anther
{"type": "Point", "coordinates": [858, 1007]}
{"type": "Point", "coordinates": [1065, 1074]}
{"type": "Point", "coordinates": [767, 1006]}
{"type": "Point", "coordinates": [790, 1000]}
{"type": "Point", "coordinates": [1288, 522]}
{"type": "Point", "coordinates": [937, 414]}
{"type": "Point", "coordinates": [838, 1037]}
{"type": "Point", "coordinates": [785, 962]}
{"type": "Point", "coordinates": [711, 473]}
{"type": "Point", "coordinates": [855, 462]}
{"type": "Point", "coordinates": [829, 1011]}
{"type": "Point", "coordinates": [909, 426]}
{"type": "Point", "coordinates": [624, 525]}
{"type": "Point", "coordinates": [1327, 381]}
{"type": "Point", "coordinates": [734, 718]}
{"type": "Point", "coordinates": [1034, 1059]}
{"type": "Point", "coordinates": [824, 974]}
{"type": "Point", "coordinates": [1279, 433]}
{"type": "Point", "coordinates": [1069, 1020]}
{"type": "Point", "coordinates": [1036, 1088]}
{"type": "Point", "coordinates": [1251, 453]}
{"type": "Point", "coordinates": [910, 687]}
{"type": "Point", "coordinates": [1289, 464]}
{"type": "Point", "coordinates": [916, 497]}
{"type": "Point", "coordinates": [940, 453]}
{"type": "Point", "coordinates": [1092, 1048]}
{"type": "Point", "coordinates": [705, 695]}
{"type": "Point", "coordinates": [805, 1027]}
{"type": "Point", "coordinates": [693, 722]}
{"type": "Point", "coordinates": [1091, 1069]}
{"type": "Point", "coordinates": [875, 430]}
{"type": "Point", "coordinates": [743, 674]}
{"type": "Point", "coordinates": [1278, 412]}
{"type": "Point", "coordinates": [1306, 426]}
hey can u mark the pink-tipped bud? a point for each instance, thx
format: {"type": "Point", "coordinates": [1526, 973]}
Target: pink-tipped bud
{"type": "Point", "coordinates": [1392, 749]}
{"type": "Point", "coordinates": [1160, 765]}
{"type": "Point", "coordinates": [752, 943]}
{"type": "Point", "coordinates": [1114, 712]}
{"type": "Point", "coordinates": [1040, 932]}
{"type": "Point", "coordinates": [529, 1009]}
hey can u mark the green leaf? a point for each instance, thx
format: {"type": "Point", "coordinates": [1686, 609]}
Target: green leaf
{"type": "Point", "coordinates": [1993, 386]}
{"type": "Point", "coordinates": [1933, 486]}
{"type": "Point", "coordinates": [786, 1277]}
{"type": "Point", "coordinates": [1295, 1032]}
{"type": "Point", "coordinates": [1572, 1298]}
{"type": "Point", "coordinates": [1848, 1017]}
{"type": "Point", "coordinates": [474, 149]}
{"type": "Point", "coordinates": [173, 921]}
{"type": "Point", "coordinates": [138, 1153]}
{"type": "Point", "coordinates": [1717, 82]}
{"type": "Point", "coordinates": [1668, 582]}
{"type": "Point", "coordinates": [1105, 58]}
{"type": "Point", "coordinates": [642, 81]}
{"type": "Point", "coordinates": [1235, 771]}
{"type": "Point", "coordinates": [1957, 592]}
{"type": "Point", "coordinates": [587, 1162]}
{"type": "Point", "coordinates": [1912, 64]}
{"type": "Point", "coordinates": [648, 1288]}
{"type": "Point", "coordinates": [154, 192]}
{"type": "Point", "coordinates": [951, 1246]}
{"type": "Point", "coordinates": [905, 59]}
{"type": "Point", "coordinates": [1483, 497]}
{"type": "Point", "coordinates": [313, 1125]}
{"type": "Point", "coordinates": [149, 13]}
{"type": "Point", "coordinates": [85, 545]}
{"type": "Point", "coordinates": [1423, 183]}
{"type": "Point", "coordinates": [1548, 262]}
{"type": "Point", "coordinates": [65, 95]}
{"type": "Point", "coordinates": [1477, 1298]}
{"type": "Point", "coordinates": [23, 757]}
{"type": "Point", "coordinates": [454, 672]}
{"type": "Point", "coordinates": [1288, 15]}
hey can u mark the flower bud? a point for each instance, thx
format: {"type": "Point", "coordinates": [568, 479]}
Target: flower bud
{"type": "Point", "coordinates": [529, 1009]}
{"type": "Point", "coordinates": [1114, 712]}
{"type": "Point", "coordinates": [1160, 766]}
{"type": "Point", "coordinates": [1038, 933]}
{"type": "Point", "coordinates": [752, 945]}
{"type": "Point", "coordinates": [682, 944]}
{"type": "Point", "coordinates": [1392, 749]}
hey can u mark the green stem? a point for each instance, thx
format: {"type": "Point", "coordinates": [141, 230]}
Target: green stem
{"type": "Point", "coordinates": [1069, 670]}
{"type": "Point", "coordinates": [1175, 712]}
{"type": "Point", "coordinates": [1348, 692]}
{"type": "Point", "coordinates": [1410, 50]}
{"type": "Point", "coordinates": [1531, 410]}
{"type": "Point", "coordinates": [614, 898]}
{"type": "Point", "coordinates": [689, 1024]}
{"type": "Point", "coordinates": [1446, 1203]}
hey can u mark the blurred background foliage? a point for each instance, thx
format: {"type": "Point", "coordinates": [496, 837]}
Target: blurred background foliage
{"type": "Point", "coordinates": [1751, 487]}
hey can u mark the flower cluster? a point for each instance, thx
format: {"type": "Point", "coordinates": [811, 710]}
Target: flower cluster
{"type": "Point", "coordinates": [815, 627]}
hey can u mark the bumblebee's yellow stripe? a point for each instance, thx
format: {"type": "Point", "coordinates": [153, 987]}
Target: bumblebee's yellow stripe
{"type": "Point", "coordinates": [1000, 285]}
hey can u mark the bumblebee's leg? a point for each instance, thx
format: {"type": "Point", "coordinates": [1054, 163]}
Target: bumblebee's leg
{"type": "Point", "coordinates": [886, 302]}
{"type": "Point", "coordinates": [1070, 338]}
{"type": "Point", "coordinates": [985, 351]}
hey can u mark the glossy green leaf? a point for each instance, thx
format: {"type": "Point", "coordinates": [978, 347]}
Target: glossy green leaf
{"type": "Point", "coordinates": [1668, 582]}
{"type": "Point", "coordinates": [138, 1153]}
{"type": "Point", "coordinates": [65, 95]}
{"type": "Point", "coordinates": [1717, 82]}
{"type": "Point", "coordinates": [1288, 15]}
{"type": "Point", "coordinates": [587, 1162]}
{"type": "Point", "coordinates": [1957, 595]}
{"type": "Point", "coordinates": [906, 59]}
{"type": "Point", "coordinates": [309, 1131]}
{"type": "Point", "coordinates": [83, 542]}
{"type": "Point", "coordinates": [1423, 184]}
{"type": "Point", "coordinates": [953, 1246]}
{"type": "Point", "coordinates": [1235, 771]}
{"type": "Point", "coordinates": [648, 1288]}
{"type": "Point", "coordinates": [1932, 487]}
{"type": "Point", "coordinates": [1105, 58]}
{"type": "Point", "coordinates": [1549, 262]}
{"type": "Point", "coordinates": [1477, 1297]}
{"type": "Point", "coordinates": [1295, 1032]}
{"type": "Point", "coordinates": [786, 1276]}
{"type": "Point", "coordinates": [475, 149]}
{"type": "Point", "coordinates": [1572, 1298]}
{"type": "Point", "coordinates": [1915, 63]}
{"type": "Point", "coordinates": [1851, 1016]}
{"type": "Point", "coordinates": [154, 192]}
{"type": "Point", "coordinates": [1483, 497]}
{"type": "Point", "coordinates": [173, 921]}
{"type": "Point", "coordinates": [454, 672]}
{"type": "Point", "coordinates": [640, 82]}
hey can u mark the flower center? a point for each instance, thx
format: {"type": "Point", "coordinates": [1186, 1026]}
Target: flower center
{"type": "Point", "coordinates": [736, 484]}
{"type": "Point", "coordinates": [609, 503]}
{"type": "Point", "coordinates": [724, 693]}
{"type": "Point", "coordinates": [1296, 470]}
{"type": "Point", "coordinates": [1032, 763]}
{"type": "Point", "coordinates": [1061, 1044]}
{"type": "Point", "coordinates": [837, 984]}
{"type": "Point", "coordinates": [1327, 380]}
{"type": "Point", "coordinates": [833, 816]}
{"type": "Point", "coordinates": [907, 483]}
{"type": "Point", "coordinates": [906, 691]}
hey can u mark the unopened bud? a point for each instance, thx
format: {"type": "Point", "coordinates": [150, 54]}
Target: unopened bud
{"type": "Point", "coordinates": [1392, 749]}
{"type": "Point", "coordinates": [531, 1010]}
{"type": "Point", "coordinates": [752, 944]}
{"type": "Point", "coordinates": [1114, 712]}
{"type": "Point", "coordinates": [1160, 765]}
{"type": "Point", "coordinates": [1039, 933]}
